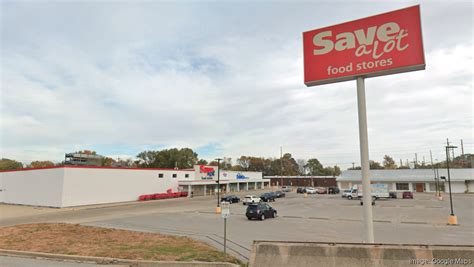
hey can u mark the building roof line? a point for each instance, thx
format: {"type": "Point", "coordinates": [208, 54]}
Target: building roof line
{"type": "Point", "coordinates": [97, 167]}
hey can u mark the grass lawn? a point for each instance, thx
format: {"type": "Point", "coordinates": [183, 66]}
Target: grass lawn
{"type": "Point", "coordinates": [74, 239]}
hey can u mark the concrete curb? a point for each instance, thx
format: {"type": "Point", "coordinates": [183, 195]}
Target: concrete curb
{"type": "Point", "coordinates": [106, 260]}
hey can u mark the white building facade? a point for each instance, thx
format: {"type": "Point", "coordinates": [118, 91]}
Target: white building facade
{"type": "Point", "coordinates": [416, 180]}
{"type": "Point", "coordinates": [68, 186]}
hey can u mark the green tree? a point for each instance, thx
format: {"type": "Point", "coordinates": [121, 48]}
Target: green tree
{"type": "Point", "coordinates": [107, 162]}
{"type": "Point", "coordinates": [290, 166]}
{"type": "Point", "coordinates": [337, 170]}
{"type": "Point", "coordinates": [389, 163]}
{"type": "Point", "coordinates": [202, 162]}
{"type": "Point", "coordinates": [314, 167]}
{"type": "Point", "coordinates": [183, 158]}
{"type": "Point", "coordinates": [374, 165]}
{"type": "Point", "coordinates": [40, 164]}
{"type": "Point", "coordinates": [10, 164]}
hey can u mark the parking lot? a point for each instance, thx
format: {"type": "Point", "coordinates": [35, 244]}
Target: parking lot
{"type": "Point", "coordinates": [326, 218]}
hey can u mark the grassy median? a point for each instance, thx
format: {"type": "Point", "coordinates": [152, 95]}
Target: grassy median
{"type": "Point", "coordinates": [74, 239]}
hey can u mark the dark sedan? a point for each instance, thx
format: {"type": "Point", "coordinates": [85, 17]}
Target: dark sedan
{"type": "Point", "coordinates": [333, 190]}
{"type": "Point", "coordinates": [230, 199]}
{"type": "Point", "coordinates": [267, 197]}
{"type": "Point", "coordinates": [260, 211]}
{"type": "Point", "coordinates": [279, 194]}
{"type": "Point", "coordinates": [300, 190]}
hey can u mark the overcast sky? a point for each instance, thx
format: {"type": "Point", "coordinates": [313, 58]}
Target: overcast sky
{"type": "Point", "coordinates": [225, 79]}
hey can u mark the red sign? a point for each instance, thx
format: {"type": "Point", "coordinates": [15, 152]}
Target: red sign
{"type": "Point", "coordinates": [379, 45]}
{"type": "Point", "coordinates": [204, 169]}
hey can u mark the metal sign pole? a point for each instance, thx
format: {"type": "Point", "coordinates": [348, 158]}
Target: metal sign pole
{"type": "Point", "coordinates": [225, 214]}
{"type": "Point", "coordinates": [225, 235]}
{"type": "Point", "coordinates": [364, 156]}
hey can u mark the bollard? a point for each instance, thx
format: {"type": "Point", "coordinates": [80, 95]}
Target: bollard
{"type": "Point", "coordinates": [305, 194]}
{"type": "Point", "coordinates": [453, 220]}
{"type": "Point", "coordinates": [218, 210]}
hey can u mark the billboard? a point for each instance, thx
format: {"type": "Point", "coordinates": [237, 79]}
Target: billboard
{"type": "Point", "coordinates": [383, 44]}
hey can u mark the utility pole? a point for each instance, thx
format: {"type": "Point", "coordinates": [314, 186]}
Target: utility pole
{"type": "Point", "coordinates": [401, 163]}
{"type": "Point", "coordinates": [416, 160]}
{"type": "Point", "coordinates": [423, 161]}
{"type": "Point", "coordinates": [281, 166]}
{"type": "Point", "coordinates": [434, 172]}
{"type": "Point", "coordinates": [462, 149]}
{"type": "Point", "coordinates": [447, 142]}
{"type": "Point", "coordinates": [408, 165]}
{"type": "Point", "coordinates": [353, 165]}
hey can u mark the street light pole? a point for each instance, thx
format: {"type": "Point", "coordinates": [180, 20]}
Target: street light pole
{"type": "Point", "coordinates": [218, 208]}
{"type": "Point", "coordinates": [452, 218]}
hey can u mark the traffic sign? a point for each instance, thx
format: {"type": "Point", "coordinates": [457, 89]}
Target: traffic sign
{"type": "Point", "coordinates": [225, 212]}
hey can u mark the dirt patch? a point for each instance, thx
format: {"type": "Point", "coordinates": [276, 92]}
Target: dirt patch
{"type": "Point", "coordinates": [74, 239]}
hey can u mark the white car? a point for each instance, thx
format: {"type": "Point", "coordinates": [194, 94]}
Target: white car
{"type": "Point", "coordinates": [286, 188]}
{"type": "Point", "coordinates": [311, 190]}
{"type": "Point", "coordinates": [251, 199]}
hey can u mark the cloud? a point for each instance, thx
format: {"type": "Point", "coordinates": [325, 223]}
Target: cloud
{"type": "Point", "coordinates": [122, 78]}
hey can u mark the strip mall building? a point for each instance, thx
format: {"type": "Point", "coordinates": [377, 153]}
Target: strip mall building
{"type": "Point", "coordinates": [68, 186]}
{"type": "Point", "coordinates": [416, 180]}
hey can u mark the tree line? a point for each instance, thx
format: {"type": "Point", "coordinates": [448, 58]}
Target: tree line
{"type": "Point", "coordinates": [186, 158]}
{"type": "Point", "coordinates": [388, 163]}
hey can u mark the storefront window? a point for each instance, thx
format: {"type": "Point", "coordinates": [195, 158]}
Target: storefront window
{"type": "Point", "coordinates": [402, 186]}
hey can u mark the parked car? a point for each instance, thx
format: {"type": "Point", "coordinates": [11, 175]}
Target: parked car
{"type": "Point", "coordinates": [267, 197]}
{"type": "Point", "coordinates": [408, 195]}
{"type": "Point", "coordinates": [311, 190]}
{"type": "Point", "coordinates": [321, 190]}
{"type": "Point", "coordinates": [280, 194]}
{"type": "Point", "coordinates": [230, 199]}
{"type": "Point", "coordinates": [286, 188]}
{"type": "Point", "coordinates": [273, 194]}
{"type": "Point", "coordinates": [333, 190]}
{"type": "Point", "coordinates": [249, 199]}
{"type": "Point", "coordinates": [260, 211]}
{"type": "Point", "coordinates": [392, 194]}
{"type": "Point", "coordinates": [300, 190]}
{"type": "Point", "coordinates": [346, 193]}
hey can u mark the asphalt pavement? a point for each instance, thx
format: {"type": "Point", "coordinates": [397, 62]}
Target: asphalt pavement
{"type": "Point", "coordinates": [324, 218]}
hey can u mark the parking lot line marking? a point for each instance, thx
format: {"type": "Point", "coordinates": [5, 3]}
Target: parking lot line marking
{"type": "Point", "coordinates": [318, 218]}
{"type": "Point", "coordinates": [414, 222]}
{"type": "Point", "coordinates": [383, 221]}
{"type": "Point", "coordinates": [434, 207]}
{"type": "Point", "coordinates": [297, 217]}
{"type": "Point", "coordinates": [349, 220]}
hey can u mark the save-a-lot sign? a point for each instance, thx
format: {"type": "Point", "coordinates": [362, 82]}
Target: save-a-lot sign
{"type": "Point", "coordinates": [379, 45]}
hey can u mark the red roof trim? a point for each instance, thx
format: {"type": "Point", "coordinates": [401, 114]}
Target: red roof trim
{"type": "Point", "coordinates": [98, 167]}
